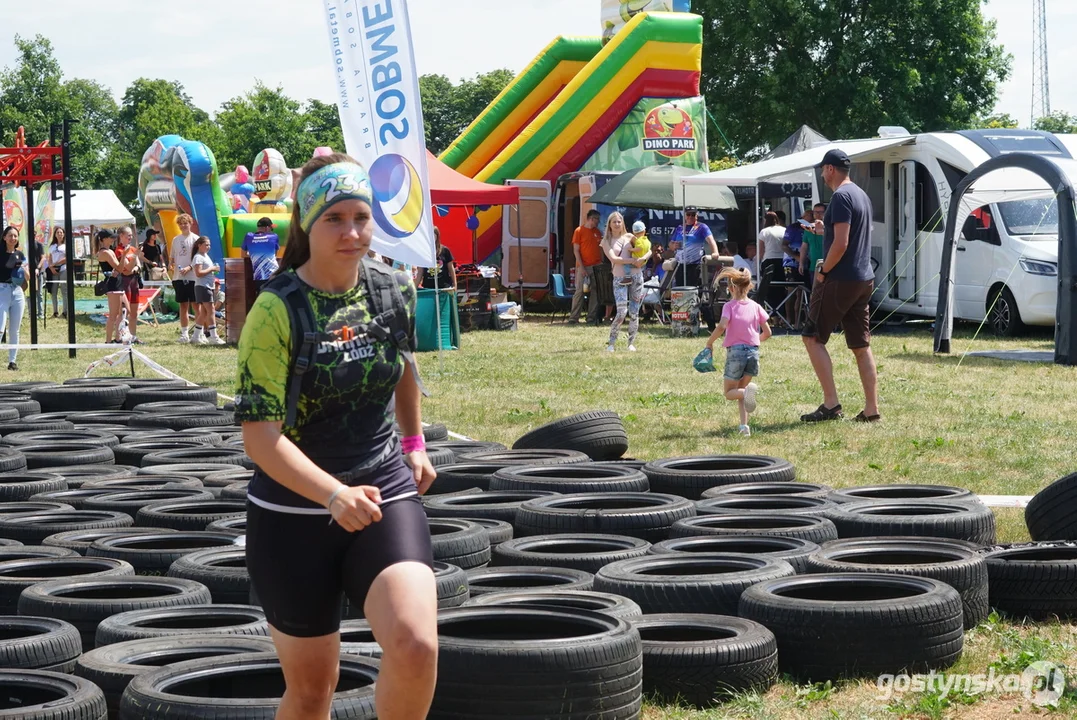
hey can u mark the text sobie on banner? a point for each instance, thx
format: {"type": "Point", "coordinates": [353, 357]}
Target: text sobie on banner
{"type": "Point", "coordinates": [382, 119]}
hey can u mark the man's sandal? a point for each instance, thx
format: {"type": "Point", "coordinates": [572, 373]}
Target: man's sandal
{"type": "Point", "coordinates": [862, 418]}
{"type": "Point", "coordinates": [822, 414]}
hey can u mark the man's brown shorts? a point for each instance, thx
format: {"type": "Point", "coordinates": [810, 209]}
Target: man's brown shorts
{"type": "Point", "coordinates": [843, 302]}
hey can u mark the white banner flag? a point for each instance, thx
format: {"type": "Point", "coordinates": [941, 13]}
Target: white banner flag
{"type": "Point", "coordinates": [378, 96]}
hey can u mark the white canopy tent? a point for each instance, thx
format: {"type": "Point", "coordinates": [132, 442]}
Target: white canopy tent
{"type": "Point", "coordinates": [97, 208]}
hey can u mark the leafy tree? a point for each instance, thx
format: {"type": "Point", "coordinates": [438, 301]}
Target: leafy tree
{"type": "Point", "coordinates": [846, 67]}
{"type": "Point", "coordinates": [323, 127]}
{"type": "Point", "coordinates": [1000, 121]}
{"type": "Point", "coordinates": [263, 118]}
{"type": "Point", "coordinates": [1057, 122]}
{"type": "Point", "coordinates": [448, 109]}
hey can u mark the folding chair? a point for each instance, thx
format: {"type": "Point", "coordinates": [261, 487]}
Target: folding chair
{"type": "Point", "coordinates": [761, 293]}
{"type": "Point", "coordinates": [146, 296]}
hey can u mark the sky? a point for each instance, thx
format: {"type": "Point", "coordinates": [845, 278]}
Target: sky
{"type": "Point", "coordinates": [284, 42]}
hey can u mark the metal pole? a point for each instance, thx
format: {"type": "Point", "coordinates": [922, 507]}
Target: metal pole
{"type": "Point", "coordinates": [520, 254]}
{"type": "Point", "coordinates": [69, 235]}
{"type": "Point", "coordinates": [31, 250]}
{"type": "Point", "coordinates": [758, 262]}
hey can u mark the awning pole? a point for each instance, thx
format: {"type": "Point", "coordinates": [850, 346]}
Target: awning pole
{"type": "Point", "coordinates": [758, 264]}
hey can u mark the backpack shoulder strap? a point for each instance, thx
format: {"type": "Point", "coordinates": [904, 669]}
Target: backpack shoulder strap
{"type": "Point", "coordinates": [304, 336]}
{"type": "Point", "coordinates": [391, 322]}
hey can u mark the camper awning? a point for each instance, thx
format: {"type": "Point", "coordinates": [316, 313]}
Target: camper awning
{"type": "Point", "coordinates": [1007, 184]}
{"type": "Point", "coordinates": [795, 168]}
{"type": "Point", "coordinates": [100, 208]}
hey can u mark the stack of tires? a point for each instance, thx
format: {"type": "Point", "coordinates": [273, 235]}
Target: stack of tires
{"type": "Point", "coordinates": [559, 564]}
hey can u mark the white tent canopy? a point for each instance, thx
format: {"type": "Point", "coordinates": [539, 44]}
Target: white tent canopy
{"type": "Point", "coordinates": [794, 168]}
{"type": "Point", "coordinates": [100, 208]}
{"type": "Point", "coordinates": [1007, 184]}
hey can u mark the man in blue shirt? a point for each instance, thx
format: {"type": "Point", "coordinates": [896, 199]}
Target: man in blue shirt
{"type": "Point", "coordinates": [695, 244]}
{"type": "Point", "coordinates": [261, 247]}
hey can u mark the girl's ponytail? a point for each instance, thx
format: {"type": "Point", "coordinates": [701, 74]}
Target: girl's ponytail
{"type": "Point", "coordinates": [740, 282]}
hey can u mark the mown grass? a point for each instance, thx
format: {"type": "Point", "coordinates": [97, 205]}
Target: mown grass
{"type": "Point", "coordinates": [991, 426]}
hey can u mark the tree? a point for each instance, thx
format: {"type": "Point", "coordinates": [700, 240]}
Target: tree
{"type": "Point", "coordinates": [448, 109]}
{"type": "Point", "coordinates": [323, 127]}
{"type": "Point", "coordinates": [1057, 122]}
{"type": "Point", "coordinates": [263, 118]}
{"type": "Point", "coordinates": [1000, 121]}
{"type": "Point", "coordinates": [34, 95]}
{"type": "Point", "coordinates": [846, 67]}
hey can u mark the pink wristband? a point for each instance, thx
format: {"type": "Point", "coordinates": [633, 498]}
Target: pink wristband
{"type": "Point", "coordinates": [413, 443]}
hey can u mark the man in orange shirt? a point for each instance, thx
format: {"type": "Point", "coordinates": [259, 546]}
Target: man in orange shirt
{"type": "Point", "coordinates": [585, 246]}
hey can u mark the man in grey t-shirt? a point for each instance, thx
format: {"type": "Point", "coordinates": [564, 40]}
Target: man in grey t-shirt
{"type": "Point", "coordinates": [844, 282]}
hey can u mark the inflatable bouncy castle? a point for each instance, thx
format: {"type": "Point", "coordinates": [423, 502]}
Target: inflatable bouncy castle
{"type": "Point", "coordinates": [626, 99]}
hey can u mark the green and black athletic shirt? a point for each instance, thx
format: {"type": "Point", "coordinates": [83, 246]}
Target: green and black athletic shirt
{"type": "Point", "coordinates": [346, 410]}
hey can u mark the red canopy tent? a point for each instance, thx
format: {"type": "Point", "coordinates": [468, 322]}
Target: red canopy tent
{"type": "Point", "coordinates": [457, 195]}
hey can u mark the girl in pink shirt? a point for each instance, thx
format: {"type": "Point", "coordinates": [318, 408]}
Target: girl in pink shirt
{"type": "Point", "coordinates": [744, 323]}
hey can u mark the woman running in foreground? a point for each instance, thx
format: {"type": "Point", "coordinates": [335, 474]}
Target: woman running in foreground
{"type": "Point", "coordinates": [334, 504]}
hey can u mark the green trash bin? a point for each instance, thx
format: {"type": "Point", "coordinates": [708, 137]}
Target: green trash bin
{"type": "Point", "coordinates": [426, 321]}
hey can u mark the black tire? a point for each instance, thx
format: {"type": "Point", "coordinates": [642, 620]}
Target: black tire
{"type": "Point", "coordinates": [435, 432]}
{"type": "Point", "coordinates": [57, 398]}
{"type": "Point", "coordinates": [581, 478]}
{"type": "Point", "coordinates": [21, 403]}
{"type": "Point", "coordinates": [131, 453]}
{"type": "Point", "coordinates": [75, 498]}
{"type": "Point", "coordinates": [113, 667]}
{"type": "Point", "coordinates": [463, 476]}
{"type": "Point", "coordinates": [356, 638]}
{"type": "Point", "coordinates": [234, 526]}
{"type": "Point", "coordinates": [858, 624]}
{"type": "Point", "coordinates": [521, 577]}
{"type": "Point", "coordinates": [806, 527]}
{"type": "Point", "coordinates": [38, 643]}
{"type": "Point", "coordinates": [599, 434]}
{"type": "Point", "coordinates": [189, 515]}
{"type": "Point", "coordinates": [798, 489]}
{"type": "Point", "coordinates": [202, 436]}
{"type": "Point", "coordinates": [86, 602]}
{"type": "Point", "coordinates": [17, 575]}
{"type": "Point", "coordinates": [217, 455]}
{"type": "Point", "coordinates": [748, 504]}
{"type": "Point", "coordinates": [41, 695]}
{"type": "Point", "coordinates": [518, 662]}
{"type": "Point", "coordinates": [132, 382]}
{"type": "Point", "coordinates": [79, 475]}
{"type": "Point", "coordinates": [26, 552]}
{"type": "Point", "coordinates": [222, 570]}
{"type": "Point", "coordinates": [452, 585]}
{"type": "Point", "coordinates": [145, 482]}
{"type": "Point", "coordinates": [132, 501]}
{"type": "Point", "coordinates": [1051, 514]}
{"type": "Point", "coordinates": [11, 460]}
{"type": "Point", "coordinates": [1035, 580]}
{"type": "Point", "coordinates": [459, 542]}
{"type": "Point", "coordinates": [184, 421]}
{"type": "Point", "coordinates": [195, 470]}
{"type": "Point", "coordinates": [255, 684]}
{"type": "Point", "coordinates": [15, 486]}
{"type": "Point", "coordinates": [33, 527]}
{"type": "Point", "coordinates": [21, 507]}
{"type": "Point", "coordinates": [972, 522]}
{"type": "Point", "coordinates": [67, 453]}
{"type": "Point", "coordinates": [648, 516]}
{"type": "Point", "coordinates": [704, 659]}
{"type": "Point", "coordinates": [524, 457]}
{"type": "Point", "coordinates": [186, 620]}
{"type": "Point", "coordinates": [235, 491]}
{"type": "Point", "coordinates": [957, 565]}
{"type": "Point", "coordinates": [170, 394]}
{"type": "Point", "coordinates": [38, 439]}
{"type": "Point", "coordinates": [8, 414]}
{"type": "Point", "coordinates": [690, 476]}
{"type": "Point", "coordinates": [467, 446]}
{"type": "Point", "coordinates": [101, 417]}
{"type": "Point", "coordinates": [794, 551]}
{"type": "Point", "coordinates": [79, 541]}
{"type": "Point", "coordinates": [152, 553]}
{"type": "Point", "coordinates": [190, 406]}
{"type": "Point", "coordinates": [705, 583]}
{"type": "Point", "coordinates": [24, 385]}
{"type": "Point", "coordinates": [588, 552]}
{"type": "Point", "coordinates": [616, 606]}
{"type": "Point", "coordinates": [1003, 315]}
{"type": "Point", "coordinates": [493, 505]}
{"type": "Point", "coordinates": [902, 493]}
{"type": "Point", "coordinates": [440, 457]}
{"type": "Point", "coordinates": [21, 426]}
{"type": "Point", "coordinates": [228, 478]}
{"type": "Point", "coordinates": [497, 530]}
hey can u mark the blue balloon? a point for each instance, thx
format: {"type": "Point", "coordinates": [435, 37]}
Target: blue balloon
{"type": "Point", "coordinates": [472, 223]}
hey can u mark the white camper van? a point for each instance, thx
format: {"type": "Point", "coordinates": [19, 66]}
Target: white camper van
{"type": "Point", "coordinates": [1007, 253]}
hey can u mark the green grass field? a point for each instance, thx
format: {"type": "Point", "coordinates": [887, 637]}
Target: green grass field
{"type": "Point", "coordinates": [993, 427]}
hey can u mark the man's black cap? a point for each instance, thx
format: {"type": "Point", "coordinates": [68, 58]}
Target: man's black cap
{"type": "Point", "coordinates": [691, 209]}
{"type": "Point", "coordinates": [150, 232]}
{"type": "Point", "coordinates": [837, 158]}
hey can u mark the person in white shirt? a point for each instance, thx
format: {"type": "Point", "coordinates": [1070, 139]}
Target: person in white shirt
{"type": "Point", "coordinates": [56, 272]}
{"type": "Point", "coordinates": [205, 271]}
{"type": "Point", "coordinates": [746, 261]}
{"type": "Point", "coordinates": [180, 253]}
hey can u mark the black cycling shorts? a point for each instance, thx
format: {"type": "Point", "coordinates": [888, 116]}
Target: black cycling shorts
{"type": "Point", "coordinates": [301, 565]}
